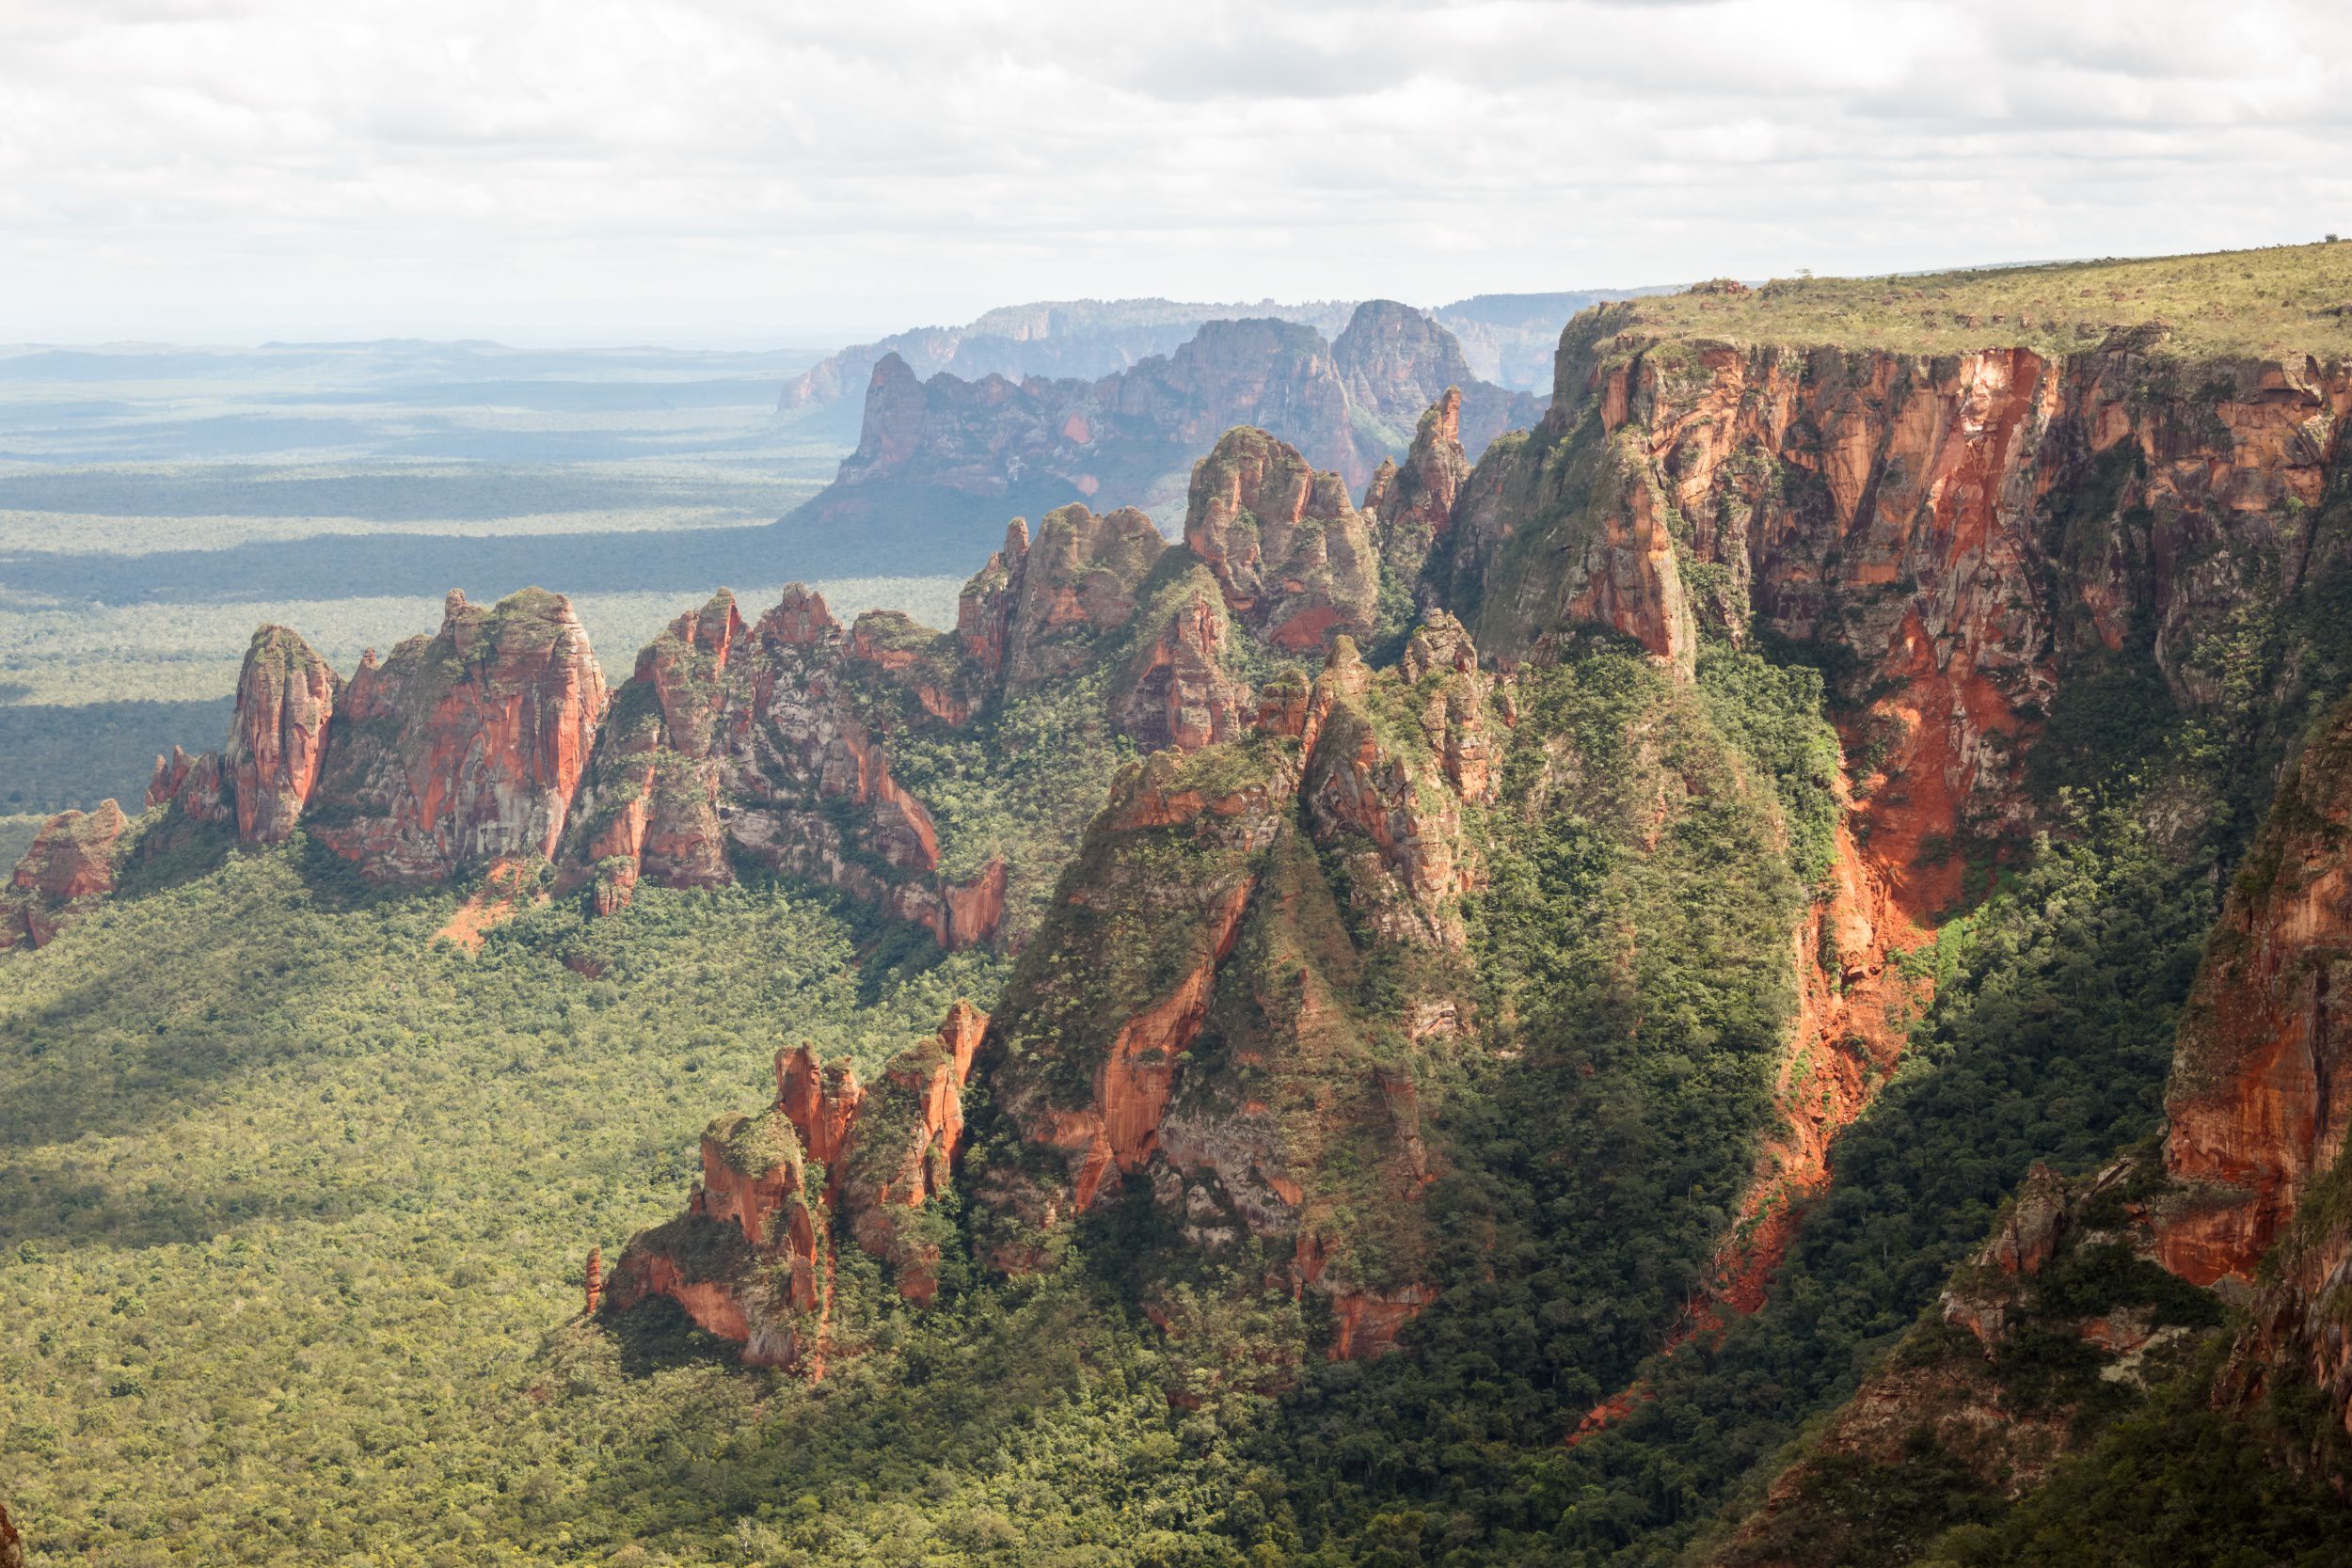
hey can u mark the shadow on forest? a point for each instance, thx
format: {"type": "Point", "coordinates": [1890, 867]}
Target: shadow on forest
{"type": "Point", "coordinates": [869, 531]}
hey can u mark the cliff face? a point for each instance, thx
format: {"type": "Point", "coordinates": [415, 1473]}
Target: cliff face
{"type": "Point", "coordinates": [1178, 688]}
{"type": "Point", "coordinates": [1041, 611]}
{"type": "Point", "coordinates": [69, 866]}
{"type": "Point", "coordinates": [752, 1258]}
{"type": "Point", "coordinates": [263, 778]}
{"type": "Point", "coordinates": [463, 748]}
{"type": "Point", "coordinates": [2261, 1093]}
{"type": "Point", "coordinates": [774, 744]}
{"type": "Point", "coordinates": [1961, 533]}
{"type": "Point", "coordinates": [2250, 1195]}
{"type": "Point", "coordinates": [2296, 1334]}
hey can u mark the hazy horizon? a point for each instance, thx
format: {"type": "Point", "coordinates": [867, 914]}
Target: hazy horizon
{"type": "Point", "coordinates": [225, 170]}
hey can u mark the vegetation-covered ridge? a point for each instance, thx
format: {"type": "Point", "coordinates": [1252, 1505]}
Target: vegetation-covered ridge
{"type": "Point", "coordinates": [2283, 301]}
{"type": "Point", "coordinates": [1525, 991]}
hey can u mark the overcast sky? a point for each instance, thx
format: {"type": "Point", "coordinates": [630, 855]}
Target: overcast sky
{"type": "Point", "coordinates": [709, 169]}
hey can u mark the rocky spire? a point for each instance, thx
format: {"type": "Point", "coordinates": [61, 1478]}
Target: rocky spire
{"type": "Point", "coordinates": [286, 693]}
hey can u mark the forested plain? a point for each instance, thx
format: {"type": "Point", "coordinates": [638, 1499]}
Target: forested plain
{"type": "Point", "coordinates": [298, 1194]}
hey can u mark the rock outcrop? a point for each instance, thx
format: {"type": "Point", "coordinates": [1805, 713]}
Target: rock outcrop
{"type": "Point", "coordinates": [1178, 688]}
{"type": "Point", "coordinates": [286, 695]}
{"type": "Point", "coordinates": [2259, 1099]}
{"type": "Point", "coordinates": [1041, 610]}
{"type": "Point", "coordinates": [1960, 535]}
{"type": "Point", "coordinates": [1412, 506]}
{"type": "Point", "coordinates": [1296, 564]}
{"type": "Point", "coordinates": [752, 1260]}
{"type": "Point", "coordinates": [192, 786]}
{"type": "Point", "coordinates": [2296, 1333]}
{"type": "Point", "coordinates": [1395, 361]}
{"type": "Point", "coordinates": [1197, 1017]}
{"type": "Point", "coordinates": [11, 1545]}
{"type": "Point", "coordinates": [463, 748]}
{"type": "Point", "coordinates": [772, 744]}
{"type": "Point", "coordinates": [69, 867]}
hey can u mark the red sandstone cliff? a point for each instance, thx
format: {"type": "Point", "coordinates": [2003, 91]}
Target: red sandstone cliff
{"type": "Point", "coordinates": [463, 748]}
{"type": "Point", "coordinates": [1198, 1016]}
{"type": "Point", "coordinates": [264, 776]}
{"type": "Point", "coordinates": [1902, 511]}
{"type": "Point", "coordinates": [1412, 506]}
{"type": "Point", "coordinates": [2261, 1093]}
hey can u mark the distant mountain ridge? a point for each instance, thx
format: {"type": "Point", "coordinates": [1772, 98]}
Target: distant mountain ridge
{"type": "Point", "coordinates": [952, 455]}
{"type": "Point", "coordinates": [1506, 339]}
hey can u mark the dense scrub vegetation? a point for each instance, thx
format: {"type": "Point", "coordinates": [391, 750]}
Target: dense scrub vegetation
{"type": "Point", "coordinates": [292, 1191]}
{"type": "Point", "coordinates": [298, 1197]}
{"type": "Point", "coordinates": [2179, 1484]}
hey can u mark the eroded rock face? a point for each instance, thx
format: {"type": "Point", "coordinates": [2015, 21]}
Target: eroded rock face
{"type": "Point", "coordinates": [286, 695]}
{"type": "Point", "coordinates": [1955, 1401]}
{"type": "Point", "coordinates": [2261, 1095]}
{"type": "Point", "coordinates": [775, 744]}
{"type": "Point", "coordinates": [1296, 564]}
{"type": "Point", "coordinates": [728, 741]}
{"type": "Point", "coordinates": [751, 1259]}
{"type": "Point", "coordinates": [191, 784]}
{"type": "Point", "coordinates": [1395, 828]}
{"type": "Point", "coordinates": [1047, 606]}
{"type": "Point", "coordinates": [2295, 1325]}
{"type": "Point", "coordinates": [1177, 688]}
{"type": "Point", "coordinates": [1196, 1015]}
{"type": "Point", "coordinates": [463, 748]}
{"type": "Point", "coordinates": [1982, 1296]}
{"type": "Point", "coordinates": [1914, 515]}
{"type": "Point", "coordinates": [11, 1545]}
{"type": "Point", "coordinates": [1412, 506]}
{"type": "Point", "coordinates": [70, 865]}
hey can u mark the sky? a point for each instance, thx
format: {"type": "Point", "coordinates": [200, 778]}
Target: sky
{"type": "Point", "coordinates": [772, 173]}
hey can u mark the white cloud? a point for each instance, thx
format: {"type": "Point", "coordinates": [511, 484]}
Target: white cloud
{"type": "Point", "coordinates": [637, 162]}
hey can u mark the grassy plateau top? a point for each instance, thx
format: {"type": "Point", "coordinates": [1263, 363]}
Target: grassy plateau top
{"type": "Point", "coordinates": [2290, 300]}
